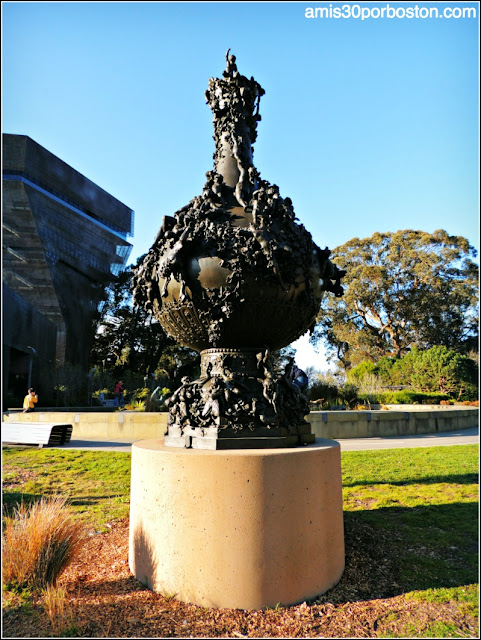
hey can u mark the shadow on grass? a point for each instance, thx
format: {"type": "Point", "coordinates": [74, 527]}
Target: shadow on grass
{"type": "Point", "coordinates": [391, 551]}
{"type": "Point", "coordinates": [12, 499]}
{"type": "Point", "coordinates": [466, 478]}
{"type": "Point", "coordinates": [86, 501]}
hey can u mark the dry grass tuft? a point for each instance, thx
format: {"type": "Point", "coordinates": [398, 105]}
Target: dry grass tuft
{"type": "Point", "coordinates": [38, 542]}
{"type": "Point", "coordinates": [57, 608]}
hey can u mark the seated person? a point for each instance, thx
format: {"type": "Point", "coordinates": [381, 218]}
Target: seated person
{"type": "Point", "coordinates": [30, 401]}
{"type": "Point", "coordinates": [296, 376]}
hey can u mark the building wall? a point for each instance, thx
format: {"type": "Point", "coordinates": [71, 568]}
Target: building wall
{"type": "Point", "coordinates": [64, 239]}
{"type": "Point", "coordinates": [24, 327]}
{"type": "Point", "coordinates": [22, 154]}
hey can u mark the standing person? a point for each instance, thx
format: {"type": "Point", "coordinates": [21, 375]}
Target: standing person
{"type": "Point", "coordinates": [30, 401]}
{"type": "Point", "coordinates": [119, 394]}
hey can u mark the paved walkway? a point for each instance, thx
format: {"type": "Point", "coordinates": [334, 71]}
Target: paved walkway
{"type": "Point", "coordinates": [463, 436]}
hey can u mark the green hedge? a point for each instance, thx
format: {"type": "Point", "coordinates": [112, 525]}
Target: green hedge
{"type": "Point", "coordinates": [403, 397]}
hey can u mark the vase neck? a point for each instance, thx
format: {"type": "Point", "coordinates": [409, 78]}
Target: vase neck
{"type": "Point", "coordinates": [234, 100]}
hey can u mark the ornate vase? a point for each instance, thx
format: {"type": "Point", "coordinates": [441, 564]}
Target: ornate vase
{"type": "Point", "coordinates": [234, 275]}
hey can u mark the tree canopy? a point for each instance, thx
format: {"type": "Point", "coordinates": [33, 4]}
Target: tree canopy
{"type": "Point", "coordinates": [127, 338]}
{"type": "Point", "coordinates": [402, 290]}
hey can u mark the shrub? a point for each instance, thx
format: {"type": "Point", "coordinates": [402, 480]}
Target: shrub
{"type": "Point", "coordinates": [371, 398]}
{"type": "Point", "coordinates": [430, 398]}
{"type": "Point", "coordinates": [323, 392]}
{"type": "Point", "coordinates": [400, 397]}
{"type": "Point", "coordinates": [470, 403]}
{"type": "Point", "coordinates": [405, 396]}
{"type": "Point", "coordinates": [360, 371]}
{"type": "Point", "coordinates": [139, 394]}
{"type": "Point", "coordinates": [138, 405]}
{"type": "Point", "coordinates": [370, 383]}
{"type": "Point", "coordinates": [39, 542]}
{"type": "Point", "coordinates": [469, 393]}
{"type": "Point", "coordinates": [437, 369]}
{"type": "Point", "coordinates": [348, 394]}
{"type": "Point", "coordinates": [444, 370]}
{"type": "Point", "coordinates": [361, 407]}
{"type": "Point", "coordinates": [96, 394]}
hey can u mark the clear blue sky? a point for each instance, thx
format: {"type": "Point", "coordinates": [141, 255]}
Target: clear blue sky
{"type": "Point", "coordinates": [368, 125]}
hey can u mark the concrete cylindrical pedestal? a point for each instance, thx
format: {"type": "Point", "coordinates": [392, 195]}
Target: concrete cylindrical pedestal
{"type": "Point", "coordinates": [239, 529]}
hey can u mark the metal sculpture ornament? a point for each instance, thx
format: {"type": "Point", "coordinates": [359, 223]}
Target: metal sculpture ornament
{"type": "Point", "coordinates": [234, 275]}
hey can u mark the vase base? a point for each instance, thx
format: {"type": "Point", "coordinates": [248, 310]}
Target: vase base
{"type": "Point", "coordinates": [227, 439]}
{"type": "Point", "coordinates": [237, 403]}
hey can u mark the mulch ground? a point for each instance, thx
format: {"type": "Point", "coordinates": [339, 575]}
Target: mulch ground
{"type": "Point", "coordinates": [106, 601]}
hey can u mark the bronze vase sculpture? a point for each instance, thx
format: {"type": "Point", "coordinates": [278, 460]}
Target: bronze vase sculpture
{"type": "Point", "coordinates": [234, 276]}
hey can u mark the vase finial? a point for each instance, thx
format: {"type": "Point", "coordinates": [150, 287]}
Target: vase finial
{"type": "Point", "coordinates": [231, 67]}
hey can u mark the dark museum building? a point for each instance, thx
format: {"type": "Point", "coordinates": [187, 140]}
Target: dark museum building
{"type": "Point", "coordinates": [63, 239]}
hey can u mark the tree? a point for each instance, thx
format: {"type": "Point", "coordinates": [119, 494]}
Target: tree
{"type": "Point", "coordinates": [403, 289]}
{"type": "Point", "coordinates": [438, 370]}
{"type": "Point", "coordinates": [441, 369]}
{"type": "Point", "coordinates": [127, 338]}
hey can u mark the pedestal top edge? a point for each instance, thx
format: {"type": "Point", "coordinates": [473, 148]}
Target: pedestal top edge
{"type": "Point", "coordinates": [157, 444]}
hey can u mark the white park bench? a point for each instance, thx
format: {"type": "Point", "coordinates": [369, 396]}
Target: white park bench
{"type": "Point", "coordinates": [48, 433]}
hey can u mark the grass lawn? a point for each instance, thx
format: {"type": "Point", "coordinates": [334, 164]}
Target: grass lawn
{"type": "Point", "coordinates": [97, 483]}
{"type": "Point", "coordinates": [411, 524]}
{"type": "Point", "coordinates": [424, 504]}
